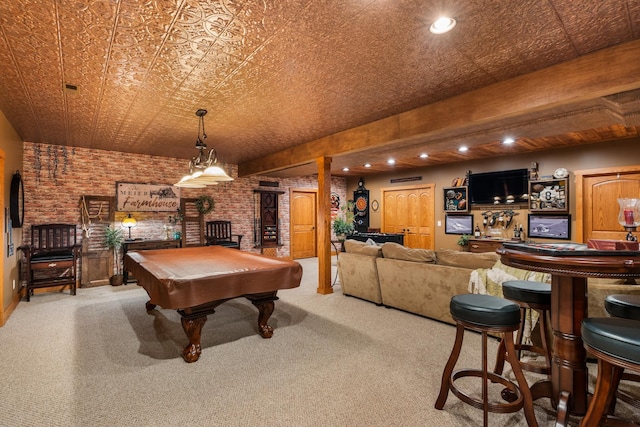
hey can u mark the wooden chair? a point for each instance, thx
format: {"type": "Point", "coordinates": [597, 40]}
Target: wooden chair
{"type": "Point", "coordinates": [51, 258]}
{"type": "Point", "coordinates": [219, 233]}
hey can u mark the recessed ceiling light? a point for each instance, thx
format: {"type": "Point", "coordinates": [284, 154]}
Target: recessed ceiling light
{"type": "Point", "coordinates": [345, 169]}
{"type": "Point", "coordinates": [508, 141]}
{"type": "Point", "coordinates": [442, 25]}
{"type": "Point", "coordinates": [367, 165]}
{"type": "Point", "coordinates": [391, 162]}
{"type": "Point", "coordinates": [463, 149]}
{"type": "Point", "coordinates": [424, 155]}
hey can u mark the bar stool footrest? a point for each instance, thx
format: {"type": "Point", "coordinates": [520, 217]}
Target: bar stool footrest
{"type": "Point", "coordinates": [499, 408]}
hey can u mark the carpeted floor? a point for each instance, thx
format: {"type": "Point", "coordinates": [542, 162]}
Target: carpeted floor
{"type": "Point", "coordinates": [98, 359]}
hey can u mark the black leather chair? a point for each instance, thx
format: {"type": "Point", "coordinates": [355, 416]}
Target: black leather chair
{"type": "Point", "coordinates": [51, 258]}
{"type": "Point", "coordinates": [219, 233]}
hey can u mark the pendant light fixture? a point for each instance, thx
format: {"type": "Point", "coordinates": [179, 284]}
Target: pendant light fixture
{"type": "Point", "coordinates": [203, 169]}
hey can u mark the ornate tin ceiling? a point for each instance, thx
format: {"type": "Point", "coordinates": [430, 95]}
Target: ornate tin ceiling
{"type": "Point", "coordinates": [277, 74]}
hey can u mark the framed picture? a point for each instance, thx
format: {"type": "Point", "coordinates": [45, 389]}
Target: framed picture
{"type": "Point", "coordinates": [456, 199]}
{"type": "Point", "coordinates": [550, 226]}
{"type": "Point", "coordinates": [458, 224]}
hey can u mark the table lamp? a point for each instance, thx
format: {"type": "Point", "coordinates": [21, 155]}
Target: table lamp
{"type": "Point", "coordinates": [629, 216]}
{"type": "Point", "coordinates": [129, 222]}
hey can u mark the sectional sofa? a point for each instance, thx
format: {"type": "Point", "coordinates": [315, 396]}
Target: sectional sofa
{"type": "Point", "coordinates": [422, 281]}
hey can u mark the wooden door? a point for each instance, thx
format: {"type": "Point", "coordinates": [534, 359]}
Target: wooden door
{"type": "Point", "coordinates": [410, 210]}
{"type": "Point", "coordinates": [303, 223]}
{"type": "Point", "coordinates": [425, 222]}
{"type": "Point", "coordinates": [597, 207]}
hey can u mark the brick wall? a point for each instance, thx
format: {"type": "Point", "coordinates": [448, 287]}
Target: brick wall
{"type": "Point", "coordinates": [56, 177]}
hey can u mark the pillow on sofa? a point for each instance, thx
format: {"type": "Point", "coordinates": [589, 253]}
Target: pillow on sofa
{"type": "Point", "coordinates": [396, 251]}
{"type": "Point", "coordinates": [361, 248]}
{"type": "Point", "coordinates": [470, 260]}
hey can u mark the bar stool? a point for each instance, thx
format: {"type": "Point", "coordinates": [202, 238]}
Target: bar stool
{"type": "Point", "coordinates": [626, 307]}
{"type": "Point", "coordinates": [535, 296]}
{"type": "Point", "coordinates": [616, 344]}
{"type": "Point", "coordinates": [486, 313]}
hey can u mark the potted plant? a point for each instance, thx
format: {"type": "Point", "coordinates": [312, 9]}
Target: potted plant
{"type": "Point", "coordinates": [344, 223]}
{"type": "Point", "coordinates": [463, 241]}
{"type": "Point", "coordinates": [113, 239]}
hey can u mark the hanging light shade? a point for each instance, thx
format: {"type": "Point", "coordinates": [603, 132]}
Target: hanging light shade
{"type": "Point", "coordinates": [203, 169]}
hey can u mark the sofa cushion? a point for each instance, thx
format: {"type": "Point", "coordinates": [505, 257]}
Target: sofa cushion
{"type": "Point", "coordinates": [361, 248]}
{"type": "Point", "coordinates": [396, 251]}
{"type": "Point", "coordinates": [468, 260]}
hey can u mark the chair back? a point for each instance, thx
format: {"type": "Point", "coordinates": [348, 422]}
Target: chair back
{"type": "Point", "coordinates": [52, 237]}
{"type": "Point", "coordinates": [219, 231]}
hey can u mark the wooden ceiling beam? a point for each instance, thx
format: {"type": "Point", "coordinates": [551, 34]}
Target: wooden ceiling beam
{"type": "Point", "coordinates": [605, 72]}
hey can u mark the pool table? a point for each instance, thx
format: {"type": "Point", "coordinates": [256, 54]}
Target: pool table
{"type": "Point", "coordinates": [196, 280]}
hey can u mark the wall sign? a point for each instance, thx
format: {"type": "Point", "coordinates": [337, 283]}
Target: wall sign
{"type": "Point", "coordinates": [133, 197]}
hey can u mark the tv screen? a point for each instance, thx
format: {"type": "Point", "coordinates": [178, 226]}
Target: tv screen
{"type": "Point", "coordinates": [485, 187]}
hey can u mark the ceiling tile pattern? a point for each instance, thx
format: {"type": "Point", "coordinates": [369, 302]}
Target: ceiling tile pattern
{"type": "Point", "coordinates": [277, 74]}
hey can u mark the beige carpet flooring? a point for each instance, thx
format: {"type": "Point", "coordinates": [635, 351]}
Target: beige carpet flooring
{"type": "Point", "coordinates": [98, 359]}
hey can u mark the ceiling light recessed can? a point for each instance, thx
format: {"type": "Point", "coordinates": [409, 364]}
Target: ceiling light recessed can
{"type": "Point", "coordinates": [442, 25]}
{"type": "Point", "coordinates": [508, 141]}
{"type": "Point", "coordinates": [391, 162]}
{"type": "Point", "coordinates": [345, 169]}
{"type": "Point", "coordinates": [463, 149]}
{"type": "Point", "coordinates": [367, 165]}
{"type": "Point", "coordinates": [424, 155]}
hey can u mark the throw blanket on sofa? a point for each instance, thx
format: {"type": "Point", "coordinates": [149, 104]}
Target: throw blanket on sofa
{"type": "Point", "coordinates": [489, 281]}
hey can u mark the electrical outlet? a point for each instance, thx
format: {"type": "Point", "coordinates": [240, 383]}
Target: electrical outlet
{"type": "Point", "coordinates": [439, 223]}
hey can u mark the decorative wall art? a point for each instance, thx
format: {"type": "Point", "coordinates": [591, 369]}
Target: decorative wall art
{"type": "Point", "coordinates": [456, 199]}
{"type": "Point", "coordinates": [132, 197]}
{"type": "Point", "coordinates": [551, 195]}
{"type": "Point", "coordinates": [361, 207]}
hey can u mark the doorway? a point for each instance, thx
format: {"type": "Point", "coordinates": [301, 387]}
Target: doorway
{"type": "Point", "coordinates": [410, 210]}
{"type": "Point", "coordinates": [597, 208]}
{"type": "Point", "coordinates": [303, 208]}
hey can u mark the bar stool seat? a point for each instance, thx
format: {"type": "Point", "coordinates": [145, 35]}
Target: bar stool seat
{"type": "Point", "coordinates": [486, 314]}
{"type": "Point", "coordinates": [625, 306]}
{"type": "Point", "coordinates": [616, 344]}
{"type": "Point", "coordinates": [535, 296]}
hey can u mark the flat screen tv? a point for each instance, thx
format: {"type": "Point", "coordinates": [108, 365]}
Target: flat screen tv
{"type": "Point", "coordinates": [485, 187]}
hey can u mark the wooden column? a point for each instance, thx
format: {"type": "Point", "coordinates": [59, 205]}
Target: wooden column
{"type": "Point", "coordinates": [324, 225]}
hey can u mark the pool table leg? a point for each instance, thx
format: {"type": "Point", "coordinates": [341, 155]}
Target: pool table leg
{"type": "Point", "coordinates": [265, 304]}
{"type": "Point", "coordinates": [193, 329]}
